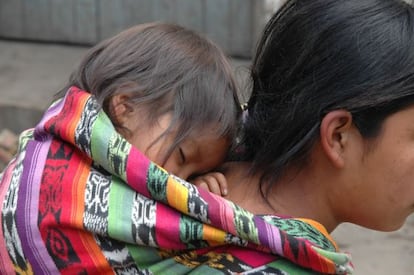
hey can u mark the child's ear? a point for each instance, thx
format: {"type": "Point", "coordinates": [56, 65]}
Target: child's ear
{"type": "Point", "coordinates": [335, 132]}
{"type": "Point", "coordinates": [120, 109]}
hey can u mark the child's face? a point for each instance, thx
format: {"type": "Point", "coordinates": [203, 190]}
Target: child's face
{"type": "Point", "coordinates": [195, 155]}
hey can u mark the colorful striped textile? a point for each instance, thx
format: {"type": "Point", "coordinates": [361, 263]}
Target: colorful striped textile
{"type": "Point", "coordinates": [79, 199]}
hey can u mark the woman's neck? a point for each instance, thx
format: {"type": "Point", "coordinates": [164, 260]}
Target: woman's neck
{"type": "Point", "coordinates": [243, 188]}
{"type": "Point", "coordinates": [299, 196]}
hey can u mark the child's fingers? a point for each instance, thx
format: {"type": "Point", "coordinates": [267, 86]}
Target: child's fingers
{"type": "Point", "coordinates": [221, 181]}
{"type": "Point", "coordinates": [202, 184]}
{"type": "Point", "coordinates": [208, 182]}
{"type": "Point", "coordinates": [213, 185]}
{"type": "Point", "coordinates": [214, 182]}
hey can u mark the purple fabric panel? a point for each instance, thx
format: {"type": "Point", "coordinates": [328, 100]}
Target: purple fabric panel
{"type": "Point", "coordinates": [27, 209]}
{"type": "Point", "coordinates": [268, 236]}
{"type": "Point", "coordinates": [40, 133]}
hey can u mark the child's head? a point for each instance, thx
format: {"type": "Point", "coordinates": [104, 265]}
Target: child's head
{"type": "Point", "coordinates": [162, 82]}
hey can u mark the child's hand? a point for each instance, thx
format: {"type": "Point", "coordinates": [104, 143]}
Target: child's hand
{"type": "Point", "coordinates": [214, 182]}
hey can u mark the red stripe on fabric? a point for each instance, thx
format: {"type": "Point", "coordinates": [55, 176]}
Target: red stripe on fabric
{"type": "Point", "coordinates": [68, 118]}
{"type": "Point", "coordinates": [68, 244]}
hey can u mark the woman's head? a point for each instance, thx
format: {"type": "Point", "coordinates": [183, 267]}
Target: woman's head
{"type": "Point", "coordinates": [324, 55]}
{"type": "Point", "coordinates": [163, 69]}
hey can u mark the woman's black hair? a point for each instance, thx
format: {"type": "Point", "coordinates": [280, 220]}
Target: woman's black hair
{"type": "Point", "coordinates": [316, 56]}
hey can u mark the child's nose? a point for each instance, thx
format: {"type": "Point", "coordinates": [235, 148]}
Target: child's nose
{"type": "Point", "coordinates": [183, 172]}
{"type": "Point", "coordinates": [184, 175]}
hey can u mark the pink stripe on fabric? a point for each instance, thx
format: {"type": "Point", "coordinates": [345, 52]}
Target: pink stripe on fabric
{"type": "Point", "coordinates": [34, 246]}
{"type": "Point", "coordinates": [168, 228]}
{"type": "Point", "coordinates": [250, 256]}
{"type": "Point", "coordinates": [221, 214]}
{"type": "Point", "coordinates": [6, 265]}
{"type": "Point", "coordinates": [227, 218]}
{"type": "Point", "coordinates": [136, 171]}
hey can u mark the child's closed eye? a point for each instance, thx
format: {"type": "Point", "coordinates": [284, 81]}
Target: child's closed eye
{"type": "Point", "coordinates": [182, 155]}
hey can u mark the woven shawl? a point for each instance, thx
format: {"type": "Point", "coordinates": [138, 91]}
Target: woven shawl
{"type": "Point", "coordinates": [79, 199]}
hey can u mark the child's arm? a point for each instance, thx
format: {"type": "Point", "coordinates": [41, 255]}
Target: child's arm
{"type": "Point", "coordinates": [214, 182]}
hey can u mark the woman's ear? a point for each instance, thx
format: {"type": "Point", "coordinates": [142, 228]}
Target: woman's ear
{"type": "Point", "coordinates": [335, 132]}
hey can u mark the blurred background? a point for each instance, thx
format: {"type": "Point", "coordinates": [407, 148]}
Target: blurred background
{"type": "Point", "coordinates": [41, 41]}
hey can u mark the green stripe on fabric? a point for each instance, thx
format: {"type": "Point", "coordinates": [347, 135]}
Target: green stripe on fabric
{"type": "Point", "coordinates": [245, 226]}
{"type": "Point", "coordinates": [121, 199]}
{"type": "Point", "coordinates": [191, 232]}
{"type": "Point", "coordinates": [289, 268]}
{"type": "Point", "coordinates": [157, 183]}
{"type": "Point", "coordinates": [118, 152]}
{"type": "Point", "coordinates": [144, 256]}
{"type": "Point", "coordinates": [204, 269]}
{"type": "Point", "coordinates": [102, 132]}
{"type": "Point", "coordinates": [169, 266]}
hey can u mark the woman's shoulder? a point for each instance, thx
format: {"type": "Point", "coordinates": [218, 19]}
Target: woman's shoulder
{"type": "Point", "coordinates": [307, 229]}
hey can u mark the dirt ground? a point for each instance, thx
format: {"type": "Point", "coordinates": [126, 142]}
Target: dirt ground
{"type": "Point", "coordinates": [31, 73]}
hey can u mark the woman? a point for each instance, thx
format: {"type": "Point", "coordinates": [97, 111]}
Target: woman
{"type": "Point", "coordinates": [329, 126]}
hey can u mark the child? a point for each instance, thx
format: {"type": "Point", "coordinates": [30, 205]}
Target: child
{"type": "Point", "coordinates": [169, 92]}
{"type": "Point", "coordinates": [155, 91]}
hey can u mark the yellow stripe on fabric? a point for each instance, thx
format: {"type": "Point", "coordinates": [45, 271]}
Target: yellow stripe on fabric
{"type": "Point", "coordinates": [177, 195]}
{"type": "Point", "coordinates": [213, 235]}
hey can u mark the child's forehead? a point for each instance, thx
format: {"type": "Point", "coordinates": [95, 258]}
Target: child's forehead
{"type": "Point", "coordinates": [208, 130]}
{"type": "Point", "coordinates": [197, 148]}
{"type": "Point", "coordinates": [204, 135]}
